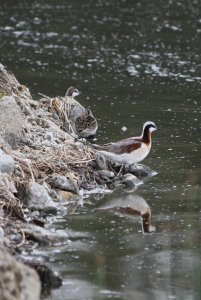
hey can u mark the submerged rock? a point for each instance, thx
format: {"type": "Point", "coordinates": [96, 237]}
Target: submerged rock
{"type": "Point", "coordinates": [6, 163]}
{"type": "Point", "coordinates": [42, 235]}
{"type": "Point", "coordinates": [130, 181]}
{"type": "Point", "coordinates": [17, 280]}
{"type": "Point", "coordinates": [38, 198]}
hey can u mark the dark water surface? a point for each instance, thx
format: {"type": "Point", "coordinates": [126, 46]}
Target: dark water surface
{"type": "Point", "coordinates": [134, 61]}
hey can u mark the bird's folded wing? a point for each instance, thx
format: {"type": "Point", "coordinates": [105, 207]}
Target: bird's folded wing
{"type": "Point", "coordinates": [124, 146]}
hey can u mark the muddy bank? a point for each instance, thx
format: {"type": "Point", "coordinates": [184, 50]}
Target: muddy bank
{"type": "Point", "coordinates": [44, 165]}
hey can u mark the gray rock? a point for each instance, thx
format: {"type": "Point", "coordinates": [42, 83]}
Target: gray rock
{"type": "Point", "coordinates": [42, 235]}
{"type": "Point", "coordinates": [64, 183]}
{"type": "Point", "coordinates": [6, 163]}
{"type": "Point", "coordinates": [140, 170]}
{"type": "Point", "coordinates": [106, 174]}
{"type": "Point", "coordinates": [17, 280]}
{"type": "Point", "coordinates": [130, 181]}
{"type": "Point", "coordinates": [1, 234]}
{"type": "Point", "coordinates": [49, 136]}
{"type": "Point", "coordinates": [48, 278]}
{"type": "Point", "coordinates": [11, 124]}
{"type": "Point", "coordinates": [58, 132]}
{"type": "Point", "coordinates": [37, 198]}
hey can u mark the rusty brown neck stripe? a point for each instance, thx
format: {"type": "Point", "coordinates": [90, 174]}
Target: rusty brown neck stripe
{"type": "Point", "coordinates": [146, 138]}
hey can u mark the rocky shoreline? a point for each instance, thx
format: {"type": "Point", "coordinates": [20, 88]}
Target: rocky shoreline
{"type": "Point", "coordinates": [42, 165]}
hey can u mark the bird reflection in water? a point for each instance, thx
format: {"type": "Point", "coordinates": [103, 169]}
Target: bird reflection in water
{"type": "Point", "coordinates": [131, 205]}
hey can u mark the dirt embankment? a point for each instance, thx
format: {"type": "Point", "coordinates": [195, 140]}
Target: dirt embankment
{"type": "Point", "coordinates": [41, 164]}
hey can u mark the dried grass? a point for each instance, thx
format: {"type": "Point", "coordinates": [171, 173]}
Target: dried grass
{"type": "Point", "coordinates": [8, 202]}
{"type": "Point", "coordinates": [62, 107]}
{"type": "Point", "coordinates": [50, 160]}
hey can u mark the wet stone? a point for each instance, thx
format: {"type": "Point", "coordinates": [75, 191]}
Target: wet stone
{"type": "Point", "coordinates": [42, 235]}
{"type": "Point", "coordinates": [47, 277]}
{"type": "Point", "coordinates": [130, 181]}
{"type": "Point", "coordinates": [140, 170]}
{"type": "Point", "coordinates": [39, 199]}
